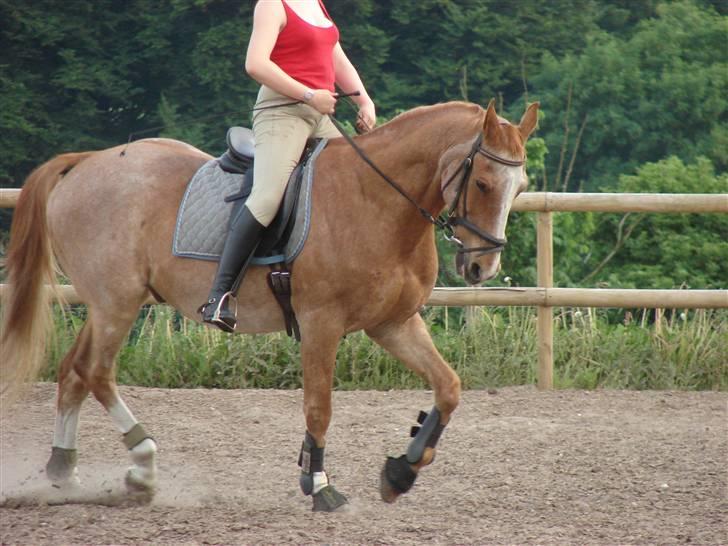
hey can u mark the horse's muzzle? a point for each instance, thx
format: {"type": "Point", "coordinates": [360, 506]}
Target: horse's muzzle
{"type": "Point", "coordinates": [474, 272]}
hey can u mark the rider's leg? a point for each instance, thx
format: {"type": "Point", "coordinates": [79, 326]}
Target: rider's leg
{"type": "Point", "coordinates": [280, 136]}
{"type": "Point", "coordinates": [241, 241]}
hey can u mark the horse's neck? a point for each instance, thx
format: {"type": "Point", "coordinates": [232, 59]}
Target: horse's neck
{"type": "Point", "coordinates": [409, 149]}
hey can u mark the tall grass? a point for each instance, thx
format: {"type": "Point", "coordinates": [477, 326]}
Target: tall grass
{"type": "Point", "coordinates": [495, 347]}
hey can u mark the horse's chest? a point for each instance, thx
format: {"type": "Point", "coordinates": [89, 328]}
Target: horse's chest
{"type": "Point", "coordinates": [389, 295]}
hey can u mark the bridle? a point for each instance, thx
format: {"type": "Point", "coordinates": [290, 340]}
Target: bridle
{"type": "Point", "coordinates": [450, 220]}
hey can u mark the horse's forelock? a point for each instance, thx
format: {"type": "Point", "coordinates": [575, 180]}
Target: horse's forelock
{"type": "Point", "coordinates": [511, 140]}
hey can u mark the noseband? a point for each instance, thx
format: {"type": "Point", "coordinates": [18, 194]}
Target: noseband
{"type": "Point", "coordinates": [450, 220]}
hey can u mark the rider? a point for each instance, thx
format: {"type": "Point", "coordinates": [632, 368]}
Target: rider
{"type": "Point", "coordinates": [294, 53]}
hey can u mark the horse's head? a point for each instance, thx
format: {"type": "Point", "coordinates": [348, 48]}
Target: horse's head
{"type": "Point", "coordinates": [480, 190]}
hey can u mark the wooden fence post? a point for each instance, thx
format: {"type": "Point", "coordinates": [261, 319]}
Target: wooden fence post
{"type": "Point", "coordinates": [545, 324]}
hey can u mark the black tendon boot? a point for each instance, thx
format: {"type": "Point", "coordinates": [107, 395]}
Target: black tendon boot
{"type": "Point", "coordinates": [244, 233]}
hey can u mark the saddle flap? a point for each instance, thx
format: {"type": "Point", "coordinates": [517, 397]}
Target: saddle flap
{"type": "Point", "coordinates": [203, 216]}
{"type": "Point", "coordinates": [279, 229]}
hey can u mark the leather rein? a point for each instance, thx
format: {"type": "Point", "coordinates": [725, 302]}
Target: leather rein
{"type": "Point", "coordinates": [449, 220]}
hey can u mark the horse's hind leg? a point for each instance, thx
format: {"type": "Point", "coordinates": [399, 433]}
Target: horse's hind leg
{"type": "Point", "coordinates": [411, 343]}
{"type": "Point", "coordinates": [72, 391]}
{"type": "Point", "coordinates": [108, 330]}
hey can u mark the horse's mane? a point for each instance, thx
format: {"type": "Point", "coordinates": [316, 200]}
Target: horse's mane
{"type": "Point", "coordinates": [438, 109]}
{"type": "Point", "coordinates": [449, 118]}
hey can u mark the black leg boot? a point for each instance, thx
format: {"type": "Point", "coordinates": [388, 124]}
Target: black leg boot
{"type": "Point", "coordinates": [244, 233]}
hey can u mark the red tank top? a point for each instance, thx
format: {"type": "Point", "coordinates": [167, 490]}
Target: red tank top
{"type": "Point", "coordinates": [305, 51]}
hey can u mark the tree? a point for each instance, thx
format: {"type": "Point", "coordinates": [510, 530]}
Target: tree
{"type": "Point", "coordinates": [658, 92]}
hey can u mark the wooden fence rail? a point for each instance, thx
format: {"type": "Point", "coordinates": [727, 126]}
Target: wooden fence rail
{"type": "Point", "coordinates": [545, 297]}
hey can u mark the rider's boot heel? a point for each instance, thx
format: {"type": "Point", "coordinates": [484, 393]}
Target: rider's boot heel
{"type": "Point", "coordinates": [242, 239]}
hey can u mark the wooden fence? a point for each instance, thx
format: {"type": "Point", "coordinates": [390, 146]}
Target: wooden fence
{"type": "Point", "coordinates": [545, 297]}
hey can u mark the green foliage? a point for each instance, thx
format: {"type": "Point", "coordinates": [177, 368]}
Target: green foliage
{"type": "Point", "coordinates": [87, 74]}
{"type": "Point", "coordinates": [657, 92]}
{"type": "Point", "coordinates": [672, 250]}
{"type": "Point", "coordinates": [497, 347]}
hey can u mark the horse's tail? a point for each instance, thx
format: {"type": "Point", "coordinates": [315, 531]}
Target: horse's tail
{"type": "Point", "coordinates": [26, 307]}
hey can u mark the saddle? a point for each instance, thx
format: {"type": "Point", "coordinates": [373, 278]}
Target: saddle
{"type": "Point", "coordinates": [239, 159]}
{"type": "Point", "coordinates": [202, 216]}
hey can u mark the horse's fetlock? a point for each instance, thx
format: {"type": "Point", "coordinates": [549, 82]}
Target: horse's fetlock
{"type": "Point", "coordinates": [142, 476]}
{"type": "Point", "coordinates": [426, 436]}
{"type": "Point", "coordinates": [144, 452]}
{"type": "Point", "coordinates": [61, 466]}
{"type": "Point", "coordinates": [311, 460]}
{"type": "Point", "coordinates": [311, 484]}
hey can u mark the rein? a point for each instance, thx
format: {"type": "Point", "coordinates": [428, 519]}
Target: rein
{"type": "Point", "coordinates": [450, 220]}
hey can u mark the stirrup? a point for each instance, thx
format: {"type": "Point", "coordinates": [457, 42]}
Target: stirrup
{"type": "Point", "coordinates": [217, 319]}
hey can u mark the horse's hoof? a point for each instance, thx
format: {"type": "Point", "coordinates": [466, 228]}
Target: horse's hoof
{"type": "Point", "coordinates": [328, 500]}
{"type": "Point", "coordinates": [386, 491]}
{"type": "Point", "coordinates": [67, 483]}
{"type": "Point", "coordinates": [61, 469]}
{"type": "Point", "coordinates": [397, 477]}
{"type": "Point", "coordinates": [138, 488]}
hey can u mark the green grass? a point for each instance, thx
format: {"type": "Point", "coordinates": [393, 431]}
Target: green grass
{"type": "Point", "coordinates": [495, 347]}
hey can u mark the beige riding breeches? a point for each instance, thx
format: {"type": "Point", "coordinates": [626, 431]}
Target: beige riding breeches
{"type": "Point", "coordinates": [280, 137]}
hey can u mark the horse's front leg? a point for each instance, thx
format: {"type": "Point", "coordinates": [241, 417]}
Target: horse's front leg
{"type": "Point", "coordinates": [411, 343]}
{"type": "Point", "coordinates": [318, 358]}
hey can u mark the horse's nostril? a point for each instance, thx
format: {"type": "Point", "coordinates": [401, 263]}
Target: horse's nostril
{"type": "Point", "coordinates": [475, 272]}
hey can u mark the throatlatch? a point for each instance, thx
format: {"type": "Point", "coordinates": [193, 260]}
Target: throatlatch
{"type": "Point", "coordinates": [314, 480]}
{"type": "Point", "coordinates": [398, 470]}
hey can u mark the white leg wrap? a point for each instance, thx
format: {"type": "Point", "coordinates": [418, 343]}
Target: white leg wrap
{"type": "Point", "coordinates": [143, 475]}
{"type": "Point", "coordinates": [66, 428]}
{"type": "Point", "coordinates": [122, 416]}
{"type": "Point", "coordinates": [320, 480]}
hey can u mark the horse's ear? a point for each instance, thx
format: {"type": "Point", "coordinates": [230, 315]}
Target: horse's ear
{"type": "Point", "coordinates": [529, 120]}
{"type": "Point", "coordinates": [491, 125]}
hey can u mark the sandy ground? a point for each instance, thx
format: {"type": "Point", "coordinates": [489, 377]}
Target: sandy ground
{"type": "Point", "coordinates": [516, 466]}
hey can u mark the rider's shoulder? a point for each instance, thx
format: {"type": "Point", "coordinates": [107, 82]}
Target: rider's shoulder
{"type": "Point", "coordinates": [270, 12]}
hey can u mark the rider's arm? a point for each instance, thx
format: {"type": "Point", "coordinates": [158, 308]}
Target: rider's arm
{"type": "Point", "coordinates": [268, 20]}
{"type": "Point", "coordinates": [347, 78]}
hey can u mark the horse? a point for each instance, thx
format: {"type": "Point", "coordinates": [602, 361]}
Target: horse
{"type": "Point", "coordinates": [106, 219]}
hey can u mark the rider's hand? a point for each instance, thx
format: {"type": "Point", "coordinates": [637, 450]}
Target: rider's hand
{"type": "Point", "coordinates": [323, 100]}
{"type": "Point", "coordinates": [366, 119]}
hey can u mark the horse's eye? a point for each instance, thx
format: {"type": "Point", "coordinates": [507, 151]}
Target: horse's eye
{"type": "Point", "coordinates": [482, 186]}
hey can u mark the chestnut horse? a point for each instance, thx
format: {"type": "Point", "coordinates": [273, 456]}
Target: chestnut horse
{"type": "Point", "coordinates": [370, 263]}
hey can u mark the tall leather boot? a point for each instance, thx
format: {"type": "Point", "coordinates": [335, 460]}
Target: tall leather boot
{"type": "Point", "coordinates": [244, 233]}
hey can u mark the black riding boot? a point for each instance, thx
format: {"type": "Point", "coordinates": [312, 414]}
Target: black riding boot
{"type": "Point", "coordinates": [244, 233]}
